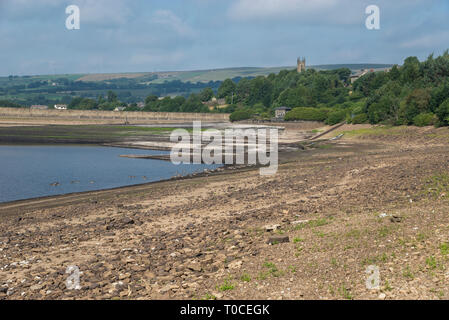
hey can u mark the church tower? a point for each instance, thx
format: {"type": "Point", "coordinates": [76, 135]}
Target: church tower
{"type": "Point", "coordinates": [301, 63]}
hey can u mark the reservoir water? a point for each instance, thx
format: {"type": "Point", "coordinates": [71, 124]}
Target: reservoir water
{"type": "Point", "coordinates": [37, 171]}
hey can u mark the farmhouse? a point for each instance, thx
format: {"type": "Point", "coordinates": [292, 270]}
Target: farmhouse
{"type": "Point", "coordinates": [60, 106]}
{"type": "Point", "coordinates": [281, 112]}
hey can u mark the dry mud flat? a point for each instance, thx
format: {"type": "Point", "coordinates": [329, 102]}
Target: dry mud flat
{"type": "Point", "coordinates": [333, 211]}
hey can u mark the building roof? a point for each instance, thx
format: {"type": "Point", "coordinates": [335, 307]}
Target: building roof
{"type": "Point", "coordinates": [283, 108]}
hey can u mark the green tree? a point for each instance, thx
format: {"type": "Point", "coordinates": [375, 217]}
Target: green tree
{"type": "Point", "coordinates": [417, 102]}
{"type": "Point", "coordinates": [112, 97]}
{"type": "Point", "coordinates": [226, 89]}
{"type": "Point", "coordinates": [206, 94]}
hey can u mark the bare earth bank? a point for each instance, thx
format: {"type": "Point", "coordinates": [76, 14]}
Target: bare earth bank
{"type": "Point", "coordinates": [369, 199]}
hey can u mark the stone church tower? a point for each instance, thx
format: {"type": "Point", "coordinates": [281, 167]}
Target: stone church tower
{"type": "Point", "coordinates": [301, 64]}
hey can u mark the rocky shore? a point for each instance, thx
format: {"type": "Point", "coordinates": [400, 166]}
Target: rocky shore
{"type": "Point", "coordinates": [309, 232]}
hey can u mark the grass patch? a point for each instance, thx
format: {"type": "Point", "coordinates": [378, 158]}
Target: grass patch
{"type": "Point", "coordinates": [444, 248]}
{"type": "Point", "coordinates": [227, 286]}
{"type": "Point", "coordinates": [273, 270]}
{"type": "Point", "coordinates": [437, 186]}
{"type": "Point", "coordinates": [431, 262]}
{"type": "Point", "coordinates": [378, 131]}
{"type": "Point", "coordinates": [209, 296]}
{"type": "Point", "coordinates": [245, 277]}
{"type": "Point", "coordinates": [298, 240]}
{"type": "Point", "coordinates": [345, 293]}
{"type": "Point", "coordinates": [407, 273]}
{"type": "Point", "coordinates": [312, 224]}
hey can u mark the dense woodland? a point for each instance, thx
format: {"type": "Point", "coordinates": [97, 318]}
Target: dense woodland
{"type": "Point", "coordinates": [414, 93]}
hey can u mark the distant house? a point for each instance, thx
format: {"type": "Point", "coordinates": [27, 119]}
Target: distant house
{"type": "Point", "coordinates": [38, 107]}
{"type": "Point", "coordinates": [141, 105]}
{"type": "Point", "coordinates": [281, 112]}
{"type": "Point", "coordinates": [60, 106]}
{"type": "Point", "coordinates": [119, 109]}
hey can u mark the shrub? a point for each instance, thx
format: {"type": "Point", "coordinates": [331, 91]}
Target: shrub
{"type": "Point", "coordinates": [360, 118]}
{"type": "Point", "coordinates": [424, 119]}
{"type": "Point", "coordinates": [443, 111]}
{"type": "Point", "coordinates": [240, 115]}
{"type": "Point", "coordinates": [308, 114]}
{"type": "Point", "coordinates": [9, 104]}
{"type": "Point", "coordinates": [335, 117]}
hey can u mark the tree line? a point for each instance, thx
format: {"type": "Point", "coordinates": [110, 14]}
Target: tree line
{"type": "Point", "coordinates": [415, 93]}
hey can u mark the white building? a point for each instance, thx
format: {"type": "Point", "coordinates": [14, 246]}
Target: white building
{"type": "Point", "coordinates": [60, 106]}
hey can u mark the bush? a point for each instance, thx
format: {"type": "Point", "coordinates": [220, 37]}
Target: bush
{"type": "Point", "coordinates": [240, 115]}
{"type": "Point", "coordinates": [424, 119]}
{"type": "Point", "coordinates": [335, 117]}
{"type": "Point", "coordinates": [360, 119]}
{"type": "Point", "coordinates": [9, 104]}
{"type": "Point", "coordinates": [308, 114]}
{"type": "Point", "coordinates": [443, 112]}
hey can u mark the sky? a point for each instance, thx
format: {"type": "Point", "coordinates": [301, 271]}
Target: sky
{"type": "Point", "coordinates": [155, 35]}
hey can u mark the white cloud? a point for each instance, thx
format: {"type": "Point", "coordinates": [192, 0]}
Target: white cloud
{"type": "Point", "coordinates": [172, 21]}
{"type": "Point", "coordinates": [268, 9]}
{"type": "Point", "coordinates": [156, 59]}
{"type": "Point", "coordinates": [428, 41]}
{"type": "Point", "coordinates": [104, 12]}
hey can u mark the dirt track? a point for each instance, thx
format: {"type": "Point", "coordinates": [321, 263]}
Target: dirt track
{"type": "Point", "coordinates": [360, 201]}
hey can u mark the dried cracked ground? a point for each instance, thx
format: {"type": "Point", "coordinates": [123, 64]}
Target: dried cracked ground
{"type": "Point", "coordinates": [359, 202]}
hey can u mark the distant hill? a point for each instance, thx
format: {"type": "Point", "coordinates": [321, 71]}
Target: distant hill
{"type": "Point", "coordinates": [219, 74]}
{"type": "Point", "coordinates": [134, 87]}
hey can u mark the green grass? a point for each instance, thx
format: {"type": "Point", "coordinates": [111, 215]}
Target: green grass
{"type": "Point", "coordinates": [226, 286]}
{"type": "Point", "coordinates": [298, 240]}
{"type": "Point", "coordinates": [444, 248]}
{"type": "Point", "coordinates": [245, 277]}
{"type": "Point", "coordinates": [345, 293]}
{"type": "Point", "coordinates": [431, 262]}
{"type": "Point", "coordinates": [407, 273]}
{"type": "Point", "coordinates": [273, 270]}
{"type": "Point", "coordinates": [209, 296]}
{"type": "Point", "coordinates": [377, 131]}
{"type": "Point", "coordinates": [312, 224]}
{"type": "Point", "coordinates": [437, 186]}
{"type": "Point", "coordinates": [80, 133]}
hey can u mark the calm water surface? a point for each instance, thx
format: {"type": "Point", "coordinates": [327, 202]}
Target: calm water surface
{"type": "Point", "coordinates": [28, 171]}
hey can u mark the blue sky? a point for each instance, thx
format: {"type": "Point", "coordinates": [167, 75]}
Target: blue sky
{"type": "Point", "coordinates": [155, 35]}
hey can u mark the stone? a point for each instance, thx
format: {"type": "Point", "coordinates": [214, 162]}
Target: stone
{"type": "Point", "coordinates": [382, 296]}
{"type": "Point", "coordinates": [168, 288]}
{"type": "Point", "coordinates": [237, 264]}
{"type": "Point", "coordinates": [300, 222]}
{"type": "Point", "coordinates": [271, 228]}
{"type": "Point", "coordinates": [194, 266]}
{"type": "Point", "coordinates": [278, 239]}
{"type": "Point", "coordinates": [396, 219]}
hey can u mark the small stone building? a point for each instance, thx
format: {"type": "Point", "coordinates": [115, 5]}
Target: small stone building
{"type": "Point", "coordinates": [281, 112]}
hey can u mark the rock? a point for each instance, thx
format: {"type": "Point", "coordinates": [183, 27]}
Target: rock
{"type": "Point", "coordinates": [278, 239]}
{"type": "Point", "coordinates": [3, 290]}
{"type": "Point", "coordinates": [36, 287]}
{"type": "Point", "coordinates": [382, 296]}
{"type": "Point", "coordinates": [271, 228]}
{"type": "Point", "coordinates": [194, 266]}
{"type": "Point", "coordinates": [217, 295]}
{"type": "Point", "coordinates": [168, 288]}
{"type": "Point", "coordinates": [300, 222]}
{"type": "Point", "coordinates": [237, 264]}
{"type": "Point", "coordinates": [396, 219]}
{"type": "Point", "coordinates": [127, 221]}
{"type": "Point", "coordinates": [118, 286]}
